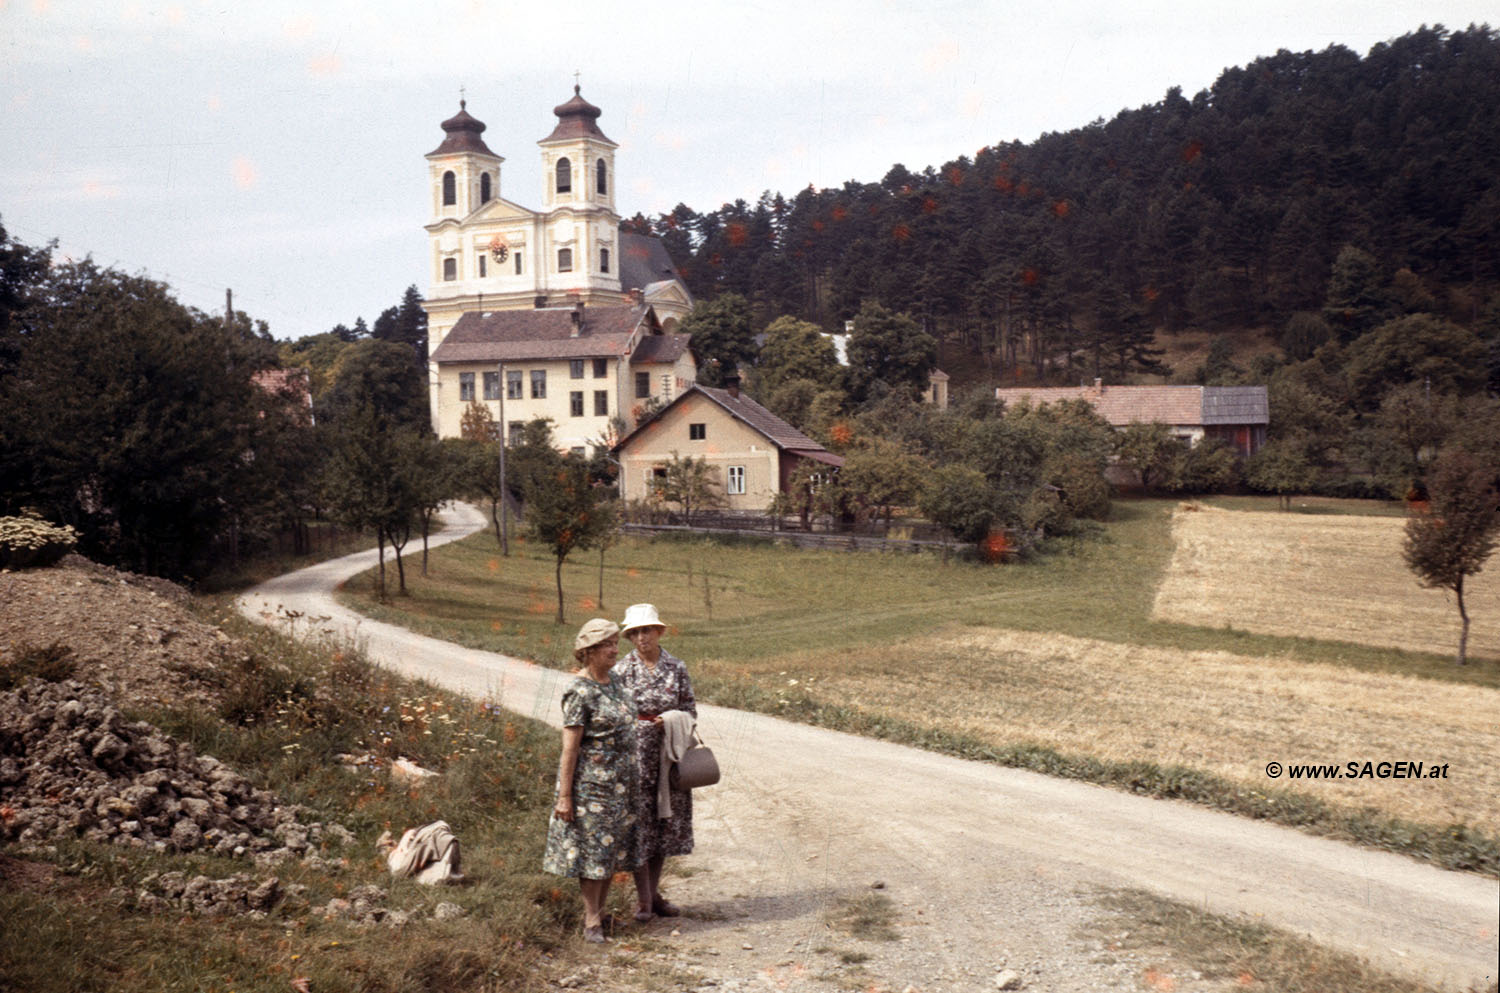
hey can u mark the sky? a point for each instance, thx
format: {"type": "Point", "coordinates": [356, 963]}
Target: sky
{"type": "Point", "coordinates": [276, 148]}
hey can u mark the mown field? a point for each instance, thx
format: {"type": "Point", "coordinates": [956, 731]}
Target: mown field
{"type": "Point", "coordinates": [1061, 665]}
{"type": "Point", "coordinates": [1335, 578]}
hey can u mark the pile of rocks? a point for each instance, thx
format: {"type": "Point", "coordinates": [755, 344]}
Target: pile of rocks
{"type": "Point", "coordinates": [71, 765]}
{"type": "Point", "coordinates": [235, 896]}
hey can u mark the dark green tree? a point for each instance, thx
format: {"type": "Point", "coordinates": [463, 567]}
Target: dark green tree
{"type": "Point", "coordinates": [796, 350]}
{"type": "Point", "coordinates": [385, 374]}
{"type": "Point", "coordinates": [723, 338]}
{"type": "Point", "coordinates": [890, 349]}
{"type": "Point", "coordinates": [960, 499]}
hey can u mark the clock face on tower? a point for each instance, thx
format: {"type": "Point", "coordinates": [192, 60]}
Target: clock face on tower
{"type": "Point", "coordinates": [499, 249]}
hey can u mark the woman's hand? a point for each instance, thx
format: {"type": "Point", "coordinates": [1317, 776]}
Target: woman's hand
{"type": "Point", "coordinates": [564, 808]}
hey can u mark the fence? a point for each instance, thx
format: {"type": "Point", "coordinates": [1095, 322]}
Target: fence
{"type": "Point", "coordinates": [1005, 543]}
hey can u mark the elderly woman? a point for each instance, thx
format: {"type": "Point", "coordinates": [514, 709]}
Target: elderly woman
{"type": "Point", "coordinates": [592, 831]}
{"type": "Point", "coordinates": [659, 683]}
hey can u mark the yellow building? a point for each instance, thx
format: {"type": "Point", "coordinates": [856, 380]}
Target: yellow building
{"type": "Point", "coordinates": [753, 453]}
{"type": "Point", "coordinates": [488, 256]}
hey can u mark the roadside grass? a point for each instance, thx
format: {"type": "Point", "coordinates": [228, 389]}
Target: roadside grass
{"type": "Point", "coordinates": [1230, 954]}
{"type": "Point", "coordinates": [1055, 666]}
{"type": "Point", "coordinates": [870, 917]}
{"type": "Point", "coordinates": [327, 540]}
{"type": "Point", "coordinates": [294, 708]}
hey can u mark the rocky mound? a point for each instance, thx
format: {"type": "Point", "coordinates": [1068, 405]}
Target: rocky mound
{"type": "Point", "coordinates": [71, 765]}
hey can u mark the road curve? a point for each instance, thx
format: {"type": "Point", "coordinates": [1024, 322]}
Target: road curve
{"type": "Point", "coordinates": [803, 813]}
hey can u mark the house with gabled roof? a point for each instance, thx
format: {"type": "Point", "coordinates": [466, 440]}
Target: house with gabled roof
{"type": "Point", "coordinates": [753, 453]}
{"type": "Point", "coordinates": [1236, 415]}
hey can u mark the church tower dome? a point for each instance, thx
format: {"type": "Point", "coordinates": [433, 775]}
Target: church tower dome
{"type": "Point", "coordinates": [463, 132]}
{"type": "Point", "coordinates": [576, 119]}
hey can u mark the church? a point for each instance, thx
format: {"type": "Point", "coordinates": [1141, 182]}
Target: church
{"type": "Point", "coordinates": [551, 313]}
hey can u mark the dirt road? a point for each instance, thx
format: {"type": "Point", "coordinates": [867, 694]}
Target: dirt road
{"type": "Point", "coordinates": [987, 867]}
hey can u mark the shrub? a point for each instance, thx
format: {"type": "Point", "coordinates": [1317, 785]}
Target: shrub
{"type": "Point", "coordinates": [28, 541]}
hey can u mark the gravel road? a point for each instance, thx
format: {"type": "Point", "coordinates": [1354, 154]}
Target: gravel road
{"type": "Point", "coordinates": [987, 868]}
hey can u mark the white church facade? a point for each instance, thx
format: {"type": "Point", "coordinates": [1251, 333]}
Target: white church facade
{"type": "Point", "coordinates": [572, 315]}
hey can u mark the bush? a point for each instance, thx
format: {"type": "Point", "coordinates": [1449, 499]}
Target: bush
{"type": "Point", "coordinates": [28, 541]}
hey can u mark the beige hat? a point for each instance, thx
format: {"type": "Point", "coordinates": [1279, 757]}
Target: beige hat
{"type": "Point", "coordinates": [595, 632]}
{"type": "Point", "coordinates": [640, 615]}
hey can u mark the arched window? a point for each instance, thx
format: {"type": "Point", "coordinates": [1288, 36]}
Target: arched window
{"type": "Point", "coordinates": [604, 260]}
{"type": "Point", "coordinates": [601, 177]}
{"type": "Point", "coordinates": [450, 189]}
{"type": "Point", "coordinates": [484, 188]}
{"type": "Point", "coordinates": [565, 258]}
{"type": "Point", "coordinates": [564, 176]}
{"type": "Point", "coordinates": [450, 270]}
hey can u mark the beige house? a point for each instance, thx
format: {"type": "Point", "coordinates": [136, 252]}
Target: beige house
{"type": "Point", "coordinates": [487, 254]}
{"type": "Point", "coordinates": [753, 453]}
{"type": "Point", "coordinates": [579, 366]}
{"type": "Point", "coordinates": [1236, 415]}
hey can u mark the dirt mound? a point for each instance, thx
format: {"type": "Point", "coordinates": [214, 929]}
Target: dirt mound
{"type": "Point", "coordinates": [133, 636]}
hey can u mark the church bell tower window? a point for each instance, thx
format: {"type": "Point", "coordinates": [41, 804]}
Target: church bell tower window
{"type": "Point", "coordinates": [484, 188]}
{"type": "Point", "coordinates": [565, 260]}
{"type": "Point", "coordinates": [564, 176]}
{"type": "Point", "coordinates": [601, 177]}
{"type": "Point", "coordinates": [450, 189]}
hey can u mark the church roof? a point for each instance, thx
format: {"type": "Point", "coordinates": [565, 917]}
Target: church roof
{"type": "Point", "coordinates": [463, 134]}
{"type": "Point", "coordinates": [575, 119]}
{"type": "Point", "coordinates": [643, 261]}
{"type": "Point", "coordinates": [517, 335]}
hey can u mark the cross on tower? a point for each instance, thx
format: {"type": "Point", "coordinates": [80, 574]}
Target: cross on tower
{"type": "Point", "coordinates": [575, 81]}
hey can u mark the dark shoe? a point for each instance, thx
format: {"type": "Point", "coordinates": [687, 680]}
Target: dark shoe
{"type": "Point", "coordinates": [664, 909]}
{"type": "Point", "coordinates": [643, 916]}
{"type": "Point", "coordinates": [594, 935]}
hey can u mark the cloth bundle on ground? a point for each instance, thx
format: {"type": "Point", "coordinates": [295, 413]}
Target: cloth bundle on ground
{"type": "Point", "coordinates": [677, 738]}
{"type": "Point", "coordinates": [428, 853]}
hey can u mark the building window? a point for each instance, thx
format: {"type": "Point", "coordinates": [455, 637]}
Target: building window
{"type": "Point", "coordinates": [736, 480]}
{"type": "Point", "coordinates": [697, 432]}
{"type": "Point", "coordinates": [642, 385]}
{"type": "Point", "coordinates": [514, 432]}
{"type": "Point", "coordinates": [465, 387]}
{"type": "Point", "coordinates": [513, 384]}
{"type": "Point", "coordinates": [579, 451]}
{"type": "Point", "coordinates": [604, 260]}
{"type": "Point", "coordinates": [575, 368]}
{"type": "Point", "coordinates": [450, 270]}
{"type": "Point", "coordinates": [492, 386]}
{"type": "Point", "coordinates": [539, 384]}
{"type": "Point", "coordinates": [484, 188]}
{"type": "Point", "coordinates": [517, 257]}
{"type": "Point", "coordinates": [450, 189]}
{"type": "Point", "coordinates": [601, 368]}
{"type": "Point", "coordinates": [575, 403]}
{"type": "Point", "coordinates": [601, 403]}
{"type": "Point", "coordinates": [564, 176]}
{"type": "Point", "coordinates": [565, 260]}
{"type": "Point", "coordinates": [601, 177]}
{"type": "Point", "coordinates": [483, 266]}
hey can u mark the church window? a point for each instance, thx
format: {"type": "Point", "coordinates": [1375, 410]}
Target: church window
{"type": "Point", "coordinates": [564, 176]}
{"type": "Point", "coordinates": [484, 188]}
{"type": "Point", "coordinates": [604, 260]}
{"type": "Point", "coordinates": [539, 384]}
{"type": "Point", "coordinates": [575, 403]}
{"type": "Point", "coordinates": [517, 257]}
{"type": "Point", "coordinates": [483, 267]}
{"type": "Point", "coordinates": [465, 387]}
{"type": "Point", "coordinates": [512, 384]}
{"type": "Point", "coordinates": [492, 385]}
{"type": "Point", "coordinates": [565, 260]}
{"type": "Point", "coordinates": [450, 269]}
{"type": "Point", "coordinates": [450, 189]}
{"type": "Point", "coordinates": [601, 177]}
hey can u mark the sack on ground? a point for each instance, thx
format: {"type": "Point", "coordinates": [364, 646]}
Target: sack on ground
{"type": "Point", "coordinates": [428, 854]}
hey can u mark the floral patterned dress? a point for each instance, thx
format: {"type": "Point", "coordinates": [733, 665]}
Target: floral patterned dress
{"type": "Point", "coordinates": [600, 840]}
{"type": "Point", "coordinates": [656, 691]}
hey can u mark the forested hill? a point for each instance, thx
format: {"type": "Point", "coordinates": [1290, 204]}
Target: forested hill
{"type": "Point", "coordinates": [1221, 211]}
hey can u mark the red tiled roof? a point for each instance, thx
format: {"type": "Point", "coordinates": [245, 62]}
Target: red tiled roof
{"type": "Point", "coordinates": [1180, 405]}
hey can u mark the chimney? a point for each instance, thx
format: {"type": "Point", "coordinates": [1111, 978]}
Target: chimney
{"type": "Point", "coordinates": [637, 295]}
{"type": "Point", "coordinates": [732, 384]}
{"type": "Point", "coordinates": [1099, 387]}
{"type": "Point", "coordinates": [539, 302]}
{"type": "Point", "coordinates": [577, 316]}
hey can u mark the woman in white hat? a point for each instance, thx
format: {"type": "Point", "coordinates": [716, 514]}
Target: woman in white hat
{"type": "Point", "coordinates": [659, 682]}
{"type": "Point", "coordinates": [592, 831]}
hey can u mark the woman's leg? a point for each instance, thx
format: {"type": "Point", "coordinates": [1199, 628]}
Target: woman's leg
{"type": "Point", "coordinates": [645, 889]}
{"type": "Point", "coordinates": [595, 892]}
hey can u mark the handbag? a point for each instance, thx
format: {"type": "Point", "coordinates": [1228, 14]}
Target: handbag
{"type": "Point", "coordinates": [696, 768]}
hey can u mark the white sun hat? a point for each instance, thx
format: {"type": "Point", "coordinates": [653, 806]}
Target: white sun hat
{"type": "Point", "coordinates": [640, 615]}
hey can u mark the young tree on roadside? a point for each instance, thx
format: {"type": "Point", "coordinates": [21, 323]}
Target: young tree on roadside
{"type": "Point", "coordinates": [1454, 538]}
{"type": "Point", "coordinates": [564, 512]}
{"type": "Point", "coordinates": [368, 483]}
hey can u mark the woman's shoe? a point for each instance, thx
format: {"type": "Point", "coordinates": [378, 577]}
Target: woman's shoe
{"type": "Point", "coordinates": [594, 935]}
{"type": "Point", "coordinates": [664, 909]}
{"type": "Point", "coordinates": [642, 915]}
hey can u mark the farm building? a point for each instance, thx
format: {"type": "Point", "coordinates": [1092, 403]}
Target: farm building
{"type": "Point", "coordinates": [754, 453]}
{"type": "Point", "coordinates": [1237, 415]}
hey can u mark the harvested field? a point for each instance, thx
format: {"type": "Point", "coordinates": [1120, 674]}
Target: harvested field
{"type": "Point", "coordinates": [1219, 712]}
{"type": "Point", "coordinates": [1322, 577]}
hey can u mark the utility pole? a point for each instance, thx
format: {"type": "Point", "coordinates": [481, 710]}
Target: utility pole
{"type": "Point", "coordinates": [504, 493]}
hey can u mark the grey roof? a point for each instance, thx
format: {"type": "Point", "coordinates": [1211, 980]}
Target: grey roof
{"type": "Point", "coordinates": [1236, 405]}
{"type": "Point", "coordinates": [512, 335]}
{"type": "Point", "coordinates": [742, 408]}
{"type": "Point", "coordinates": [643, 261]}
{"type": "Point", "coordinates": [661, 348]}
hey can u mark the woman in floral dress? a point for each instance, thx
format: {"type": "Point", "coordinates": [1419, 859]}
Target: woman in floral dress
{"type": "Point", "coordinates": [659, 682]}
{"type": "Point", "coordinates": [592, 831]}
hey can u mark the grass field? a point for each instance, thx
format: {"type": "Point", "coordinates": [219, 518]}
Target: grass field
{"type": "Point", "coordinates": [1327, 577]}
{"type": "Point", "coordinates": [1057, 665]}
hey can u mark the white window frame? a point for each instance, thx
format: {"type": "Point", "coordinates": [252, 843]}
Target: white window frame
{"type": "Point", "coordinates": [734, 480]}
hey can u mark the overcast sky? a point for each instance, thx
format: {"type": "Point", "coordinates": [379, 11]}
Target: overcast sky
{"type": "Point", "coordinates": [277, 148]}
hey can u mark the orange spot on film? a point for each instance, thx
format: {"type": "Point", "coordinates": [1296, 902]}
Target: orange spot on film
{"type": "Point", "coordinates": [1030, 276]}
{"type": "Point", "coordinates": [954, 175]}
{"type": "Point", "coordinates": [1061, 208]}
{"type": "Point", "coordinates": [1244, 979]}
{"type": "Point", "coordinates": [494, 625]}
{"type": "Point", "coordinates": [929, 205]}
{"type": "Point", "coordinates": [1160, 981]}
{"type": "Point", "coordinates": [901, 232]}
{"type": "Point", "coordinates": [736, 233]}
{"type": "Point", "coordinates": [494, 565]}
{"type": "Point", "coordinates": [839, 213]}
{"type": "Point", "coordinates": [587, 603]}
{"type": "Point", "coordinates": [1192, 151]}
